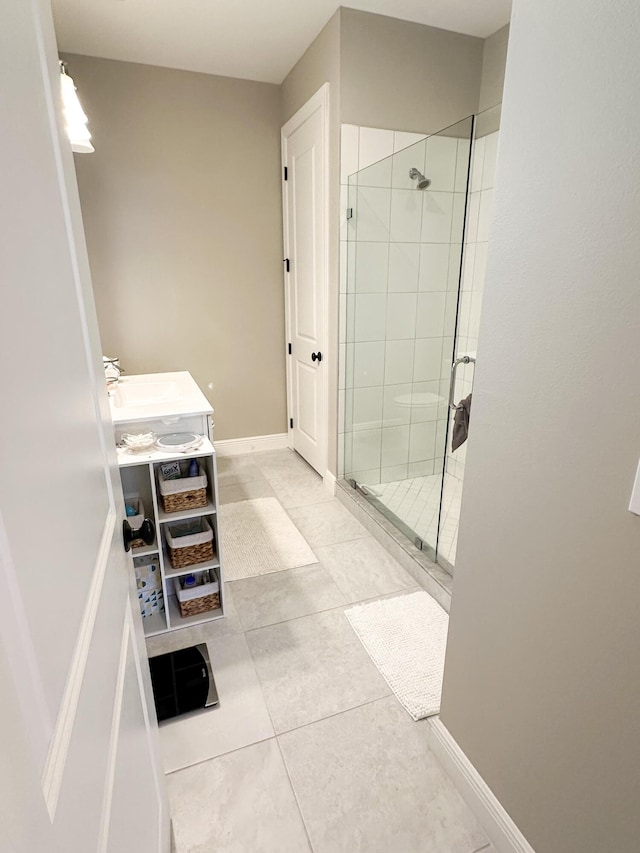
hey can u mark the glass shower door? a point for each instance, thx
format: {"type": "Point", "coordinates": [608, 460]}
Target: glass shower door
{"type": "Point", "coordinates": [404, 253]}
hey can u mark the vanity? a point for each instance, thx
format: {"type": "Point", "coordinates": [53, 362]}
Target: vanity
{"type": "Point", "coordinates": [179, 575]}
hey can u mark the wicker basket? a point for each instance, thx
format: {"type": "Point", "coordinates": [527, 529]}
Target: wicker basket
{"type": "Point", "coordinates": [185, 493]}
{"type": "Point", "coordinates": [189, 543]}
{"type": "Point", "coordinates": [198, 599]}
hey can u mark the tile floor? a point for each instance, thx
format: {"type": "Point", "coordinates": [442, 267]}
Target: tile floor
{"type": "Point", "coordinates": [308, 750]}
{"type": "Point", "coordinates": [416, 502]}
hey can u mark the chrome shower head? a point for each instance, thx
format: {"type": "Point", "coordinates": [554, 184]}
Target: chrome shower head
{"type": "Point", "coordinates": [423, 182]}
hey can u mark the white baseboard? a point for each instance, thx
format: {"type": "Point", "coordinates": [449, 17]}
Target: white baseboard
{"type": "Point", "coordinates": [329, 480]}
{"type": "Point", "coordinates": [236, 446]}
{"type": "Point", "coordinates": [491, 815]}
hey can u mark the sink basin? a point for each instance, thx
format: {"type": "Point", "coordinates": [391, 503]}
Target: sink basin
{"type": "Point", "coordinates": [135, 394]}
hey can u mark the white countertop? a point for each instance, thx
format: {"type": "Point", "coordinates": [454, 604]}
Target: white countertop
{"type": "Point", "coordinates": [157, 395]}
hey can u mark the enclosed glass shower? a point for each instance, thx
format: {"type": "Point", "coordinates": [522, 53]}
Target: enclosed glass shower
{"type": "Point", "coordinates": [417, 227]}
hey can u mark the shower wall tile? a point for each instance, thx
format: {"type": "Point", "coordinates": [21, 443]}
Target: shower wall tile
{"type": "Point", "coordinates": [484, 216]}
{"type": "Point", "coordinates": [399, 361]}
{"type": "Point", "coordinates": [465, 311]}
{"type": "Point", "coordinates": [394, 413]}
{"type": "Point", "coordinates": [373, 214]}
{"type": "Point", "coordinates": [404, 267]}
{"type": "Point", "coordinates": [406, 216]}
{"type": "Point", "coordinates": [457, 218]}
{"type": "Point", "coordinates": [401, 316]}
{"type": "Point", "coordinates": [437, 213]}
{"type": "Point", "coordinates": [420, 469]}
{"type": "Point", "coordinates": [447, 357]}
{"type": "Point", "coordinates": [455, 260]}
{"type": "Point", "coordinates": [377, 175]}
{"type": "Point", "coordinates": [403, 139]}
{"type": "Point", "coordinates": [351, 266]}
{"type": "Point", "coordinates": [476, 165]}
{"type": "Point", "coordinates": [468, 266]}
{"type": "Point", "coordinates": [342, 366]}
{"type": "Point", "coordinates": [441, 162]}
{"type": "Point", "coordinates": [394, 473]}
{"type": "Point", "coordinates": [395, 445]}
{"type": "Point", "coordinates": [480, 267]}
{"type": "Point", "coordinates": [368, 364]}
{"type": "Point", "coordinates": [367, 408]}
{"type": "Point", "coordinates": [430, 319]}
{"type": "Point", "coordinates": [427, 359]}
{"type": "Point", "coordinates": [434, 266]}
{"type": "Point", "coordinates": [370, 316]}
{"type": "Point", "coordinates": [371, 267]}
{"type": "Point", "coordinates": [367, 478]}
{"type": "Point", "coordinates": [375, 144]}
{"type": "Point", "coordinates": [422, 441]}
{"type": "Point", "coordinates": [420, 414]}
{"type": "Point", "coordinates": [366, 449]}
{"type": "Point", "coordinates": [341, 410]}
{"type": "Point", "coordinates": [348, 329]}
{"type": "Point", "coordinates": [472, 221]}
{"type": "Point", "coordinates": [348, 410]}
{"type": "Point", "coordinates": [451, 306]}
{"type": "Point", "coordinates": [462, 165]}
{"type": "Point", "coordinates": [403, 162]}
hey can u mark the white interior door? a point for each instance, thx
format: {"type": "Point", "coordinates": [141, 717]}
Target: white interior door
{"type": "Point", "coordinates": [304, 148]}
{"type": "Point", "coordinates": [79, 767]}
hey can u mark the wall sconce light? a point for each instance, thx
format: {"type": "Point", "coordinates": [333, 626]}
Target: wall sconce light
{"type": "Point", "coordinates": [74, 116]}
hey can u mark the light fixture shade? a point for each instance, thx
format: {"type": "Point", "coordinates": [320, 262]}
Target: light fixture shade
{"type": "Point", "coordinates": [74, 116]}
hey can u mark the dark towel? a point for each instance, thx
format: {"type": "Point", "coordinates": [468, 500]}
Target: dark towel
{"type": "Point", "coordinates": [461, 423]}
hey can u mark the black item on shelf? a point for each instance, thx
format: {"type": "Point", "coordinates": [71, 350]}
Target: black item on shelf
{"type": "Point", "coordinates": [182, 681]}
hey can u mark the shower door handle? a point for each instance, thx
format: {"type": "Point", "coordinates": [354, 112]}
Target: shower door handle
{"type": "Point", "coordinates": [464, 359]}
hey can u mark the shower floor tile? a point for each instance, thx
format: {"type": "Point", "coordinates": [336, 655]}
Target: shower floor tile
{"type": "Point", "coordinates": [416, 503]}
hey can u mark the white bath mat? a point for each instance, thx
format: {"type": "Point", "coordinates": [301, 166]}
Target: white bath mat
{"type": "Point", "coordinates": [258, 538]}
{"type": "Point", "coordinates": [406, 638]}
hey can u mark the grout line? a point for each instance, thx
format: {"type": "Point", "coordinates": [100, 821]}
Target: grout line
{"type": "Point", "coordinates": [388, 695]}
{"type": "Point", "coordinates": [220, 755]}
{"type": "Point", "coordinates": [295, 794]}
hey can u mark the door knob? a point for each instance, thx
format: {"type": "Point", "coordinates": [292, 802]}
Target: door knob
{"type": "Point", "coordinates": [146, 532]}
{"type": "Point", "coordinates": [316, 356]}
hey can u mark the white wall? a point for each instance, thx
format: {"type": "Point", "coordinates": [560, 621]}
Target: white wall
{"type": "Point", "coordinates": [541, 686]}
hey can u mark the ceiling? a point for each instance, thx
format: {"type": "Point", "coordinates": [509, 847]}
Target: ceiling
{"type": "Point", "coordinates": [250, 39]}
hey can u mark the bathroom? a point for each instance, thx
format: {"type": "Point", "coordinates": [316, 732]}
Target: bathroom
{"type": "Point", "coordinates": [309, 379]}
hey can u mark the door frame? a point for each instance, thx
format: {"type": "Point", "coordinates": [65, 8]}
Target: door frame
{"type": "Point", "coordinates": [319, 100]}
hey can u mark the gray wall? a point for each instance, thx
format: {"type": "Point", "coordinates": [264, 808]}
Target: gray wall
{"type": "Point", "coordinates": [541, 684]}
{"type": "Point", "coordinates": [321, 64]}
{"type": "Point", "coordinates": [494, 58]}
{"type": "Point", "coordinates": [182, 211]}
{"type": "Point", "coordinates": [406, 76]}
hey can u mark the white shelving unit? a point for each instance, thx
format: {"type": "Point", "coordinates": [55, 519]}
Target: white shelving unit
{"type": "Point", "coordinates": [139, 475]}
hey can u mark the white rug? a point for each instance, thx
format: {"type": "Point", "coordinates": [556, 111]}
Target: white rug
{"type": "Point", "coordinates": [258, 538]}
{"type": "Point", "coordinates": [406, 637]}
